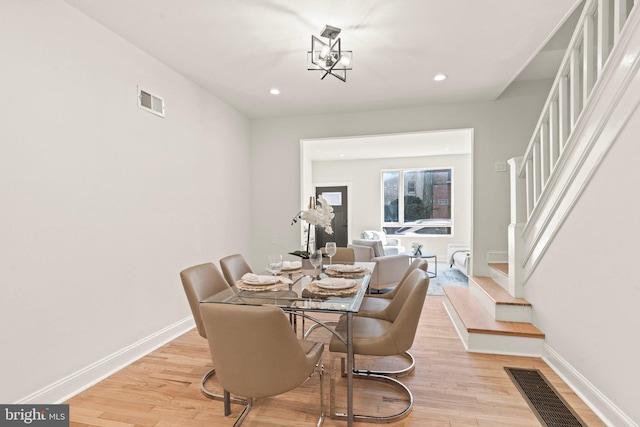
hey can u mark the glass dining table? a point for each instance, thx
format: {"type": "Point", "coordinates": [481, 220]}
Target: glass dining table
{"type": "Point", "coordinates": [303, 298]}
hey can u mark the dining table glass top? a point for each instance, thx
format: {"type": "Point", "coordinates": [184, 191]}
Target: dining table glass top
{"type": "Point", "coordinates": [304, 293]}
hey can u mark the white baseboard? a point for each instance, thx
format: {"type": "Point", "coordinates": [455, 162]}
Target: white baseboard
{"type": "Point", "coordinates": [609, 413]}
{"type": "Point", "coordinates": [65, 388]}
{"type": "Point", "coordinates": [497, 256]}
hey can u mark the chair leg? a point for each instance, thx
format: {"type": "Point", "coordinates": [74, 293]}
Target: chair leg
{"type": "Point", "coordinates": [320, 370]}
{"type": "Point", "coordinates": [396, 374]}
{"type": "Point", "coordinates": [216, 396]}
{"type": "Point", "coordinates": [369, 418]}
{"type": "Point", "coordinates": [244, 413]}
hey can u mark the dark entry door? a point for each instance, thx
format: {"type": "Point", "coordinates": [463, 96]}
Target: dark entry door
{"type": "Point", "coordinates": [337, 198]}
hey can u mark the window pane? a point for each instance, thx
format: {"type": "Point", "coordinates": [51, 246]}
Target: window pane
{"type": "Point", "coordinates": [427, 195]}
{"type": "Point", "coordinates": [390, 181]}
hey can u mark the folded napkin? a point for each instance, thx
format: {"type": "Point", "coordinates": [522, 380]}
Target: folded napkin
{"type": "Point", "coordinates": [264, 279]}
{"type": "Point", "coordinates": [344, 268]}
{"type": "Point", "coordinates": [291, 265]}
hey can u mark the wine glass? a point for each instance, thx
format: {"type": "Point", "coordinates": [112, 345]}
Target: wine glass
{"type": "Point", "coordinates": [316, 259]}
{"type": "Point", "coordinates": [330, 249]}
{"type": "Point", "coordinates": [274, 264]}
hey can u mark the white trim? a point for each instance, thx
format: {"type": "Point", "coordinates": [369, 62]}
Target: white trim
{"type": "Point", "coordinates": [65, 388]}
{"type": "Point", "coordinates": [608, 412]}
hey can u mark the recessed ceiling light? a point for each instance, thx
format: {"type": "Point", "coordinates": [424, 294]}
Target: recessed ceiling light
{"type": "Point", "coordinates": [274, 91]}
{"type": "Point", "coordinates": [439, 77]}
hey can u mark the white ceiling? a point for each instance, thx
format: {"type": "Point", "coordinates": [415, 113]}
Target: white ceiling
{"type": "Point", "coordinates": [240, 49]}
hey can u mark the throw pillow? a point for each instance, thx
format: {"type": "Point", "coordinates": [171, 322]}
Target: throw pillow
{"type": "Point", "coordinates": [379, 235]}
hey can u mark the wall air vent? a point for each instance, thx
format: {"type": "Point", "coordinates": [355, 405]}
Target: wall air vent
{"type": "Point", "coordinates": [150, 102]}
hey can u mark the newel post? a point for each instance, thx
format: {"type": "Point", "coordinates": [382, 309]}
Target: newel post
{"type": "Point", "coordinates": [518, 194]}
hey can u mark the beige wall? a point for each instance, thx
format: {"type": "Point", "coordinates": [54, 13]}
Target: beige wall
{"type": "Point", "coordinates": [102, 203]}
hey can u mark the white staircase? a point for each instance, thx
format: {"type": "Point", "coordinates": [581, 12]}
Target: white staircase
{"type": "Point", "coordinates": [590, 99]}
{"type": "Point", "coordinates": [489, 320]}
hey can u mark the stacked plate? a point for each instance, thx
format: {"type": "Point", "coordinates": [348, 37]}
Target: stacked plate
{"type": "Point", "coordinates": [335, 283]}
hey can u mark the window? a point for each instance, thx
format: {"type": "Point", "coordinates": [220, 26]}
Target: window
{"type": "Point", "coordinates": [417, 201]}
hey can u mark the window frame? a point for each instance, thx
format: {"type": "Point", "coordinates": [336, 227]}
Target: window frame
{"type": "Point", "coordinates": [445, 223]}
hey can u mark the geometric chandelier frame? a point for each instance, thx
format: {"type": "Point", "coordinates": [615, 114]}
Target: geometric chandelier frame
{"type": "Point", "coordinates": [328, 56]}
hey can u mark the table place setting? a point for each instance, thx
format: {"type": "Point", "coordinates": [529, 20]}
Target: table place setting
{"type": "Point", "coordinates": [262, 282]}
{"type": "Point", "coordinates": [331, 286]}
{"type": "Point", "coordinates": [346, 270]}
{"type": "Point", "coordinates": [289, 266]}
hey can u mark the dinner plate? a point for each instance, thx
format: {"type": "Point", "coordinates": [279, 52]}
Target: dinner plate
{"type": "Point", "coordinates": [291, 266]}
{"type": "Point", "coordinates": [269, 281]}
{"type": "Point", "coordinates": [335, 284]}
{"type": "Point", "coordinates": [346, 268]}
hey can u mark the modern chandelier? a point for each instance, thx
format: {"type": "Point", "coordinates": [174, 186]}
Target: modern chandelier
{"type": "Point", "coordinates": [329, 57]}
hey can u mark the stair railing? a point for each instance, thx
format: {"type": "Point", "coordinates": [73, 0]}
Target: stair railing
{"type": "Point", "coordinates": [597, 32]}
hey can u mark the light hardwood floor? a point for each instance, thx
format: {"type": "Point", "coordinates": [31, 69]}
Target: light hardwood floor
{"type": "Point", "coordinates": [451, 388]}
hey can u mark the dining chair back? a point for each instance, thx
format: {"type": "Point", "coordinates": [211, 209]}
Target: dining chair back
{"type": "Point", "coordinates": [234, 267]}
{"type": "Point", "coordinates": [257, 353]}
{"type": "Point", "coordinates": [199, 282]}
{"type": "Point", "coordinates": [343, 255]}
{"type": "Point", "coordinates": [418, 263]}
{"type": "Point", "coordinates": [374, 305]}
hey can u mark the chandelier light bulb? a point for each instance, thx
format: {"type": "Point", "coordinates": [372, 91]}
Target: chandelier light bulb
{"type": "Point", "coordinates": [324, 51]}
{"type": "Point", "coordinates": [439, 77]}
{"type": "Point", "coordinates": [345, 60]}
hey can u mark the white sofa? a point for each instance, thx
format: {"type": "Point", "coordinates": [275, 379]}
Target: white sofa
{"type": "Point", "coordinates": [391, 245]}
{"type": "Point", "coordinates": [459, 256]}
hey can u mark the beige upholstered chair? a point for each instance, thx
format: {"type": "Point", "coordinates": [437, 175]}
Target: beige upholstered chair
{"type": "Point", "coordinates": [391, 335]}
{"type": "Point", "coordinates": [234, 267]}
{"type": "Point", "coordinates": [389, 268]}
{"type": "Point", "coordinates": [343, 255]}
{"type": "Point", "coordinates": [256, 352]}
{"type": "Point", "coordinates": [199, 282]}
{"type": "Point", "coordinates": [374, 305]}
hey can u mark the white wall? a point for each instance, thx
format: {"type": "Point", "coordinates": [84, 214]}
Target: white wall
{"type": "Point", "coordinates": [102, 203]}
{"type": "Point", "coordinates": [364, 178]}
{"type": "Point", "coordinates": [584, 291]}
{"type": "Point", "coordinates": [502, 130]}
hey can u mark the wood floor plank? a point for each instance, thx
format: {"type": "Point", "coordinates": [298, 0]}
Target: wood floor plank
{"type": "Point", "coordinates": [451, 388]}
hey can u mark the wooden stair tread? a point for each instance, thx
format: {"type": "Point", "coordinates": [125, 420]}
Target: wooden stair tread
{"type": "Point", "coordinates": [496, 292]}
{"type": "Point", "coordinates": [501, 267]}
{"type": "Point", "coordinates": [477, 320]}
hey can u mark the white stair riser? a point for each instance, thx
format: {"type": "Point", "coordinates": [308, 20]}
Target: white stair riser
{"type": "Point", "coordinates": [457, 322]}
{"type": "Point", "coordinates": [504, 312]}
{"type": "Point", "coordinates": [501, 278]}
{"type": "Point", "coordinates": [493, 344]}
{"type": "Point", "coordinates": [483, 298]}
{"type": "Point", "coordinates": [504, 344]}
{"type": "Point", "coordinates": [514, 313]}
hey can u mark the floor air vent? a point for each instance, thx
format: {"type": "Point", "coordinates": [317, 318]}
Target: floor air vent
{"type": "Point", "coordinates": [545, 402]}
